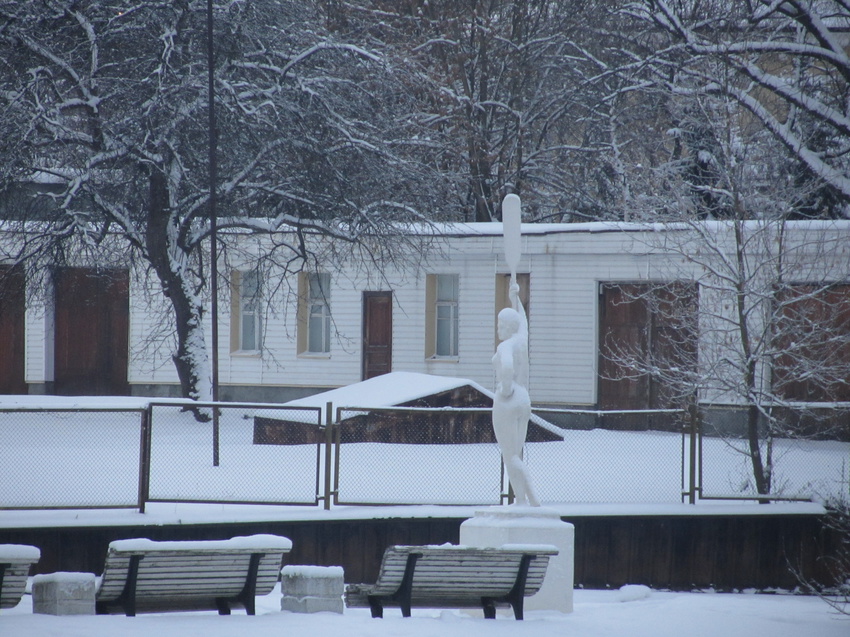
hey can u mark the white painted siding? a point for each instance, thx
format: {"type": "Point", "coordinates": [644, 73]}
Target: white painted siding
{"type": "Point", "coordinates": [566, 265]}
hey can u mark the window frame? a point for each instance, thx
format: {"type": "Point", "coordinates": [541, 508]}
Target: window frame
{"type": "Point", "coordinates": [240, 313]}
{"type": "Point", "coordinates": [314, 312]}
{"type": "Point", "coordinates": [435, 306]}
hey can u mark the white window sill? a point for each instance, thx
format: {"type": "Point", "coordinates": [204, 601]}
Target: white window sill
{"type": "Point", "coordinates": [443, 359]}
{"type": "Point", "coordinates": [243, 353]}
{"type": "Point", "coordinates": [315, 355]}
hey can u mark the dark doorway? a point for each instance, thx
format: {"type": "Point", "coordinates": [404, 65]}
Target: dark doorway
{"type": "Point", "coordinates": [377, 333]}
{"type": "Point", "coordinates": [12, 315]}
{"type": "Point", "coordinates": [92, 324]}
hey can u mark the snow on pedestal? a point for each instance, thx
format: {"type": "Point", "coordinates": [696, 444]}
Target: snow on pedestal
{"type": "Point", "coordinates": [496, 526]}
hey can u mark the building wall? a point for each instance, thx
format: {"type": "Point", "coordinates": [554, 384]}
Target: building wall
{"type": "Point", "coordinates": [566, 265]}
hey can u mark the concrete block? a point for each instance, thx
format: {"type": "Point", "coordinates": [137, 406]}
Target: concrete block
{"type": "Point", "coordinates": [311, 604]}
{"type": "Point", "coordinates": [312, 589]}
{"type": "Point", "coordinates": [63, 594]}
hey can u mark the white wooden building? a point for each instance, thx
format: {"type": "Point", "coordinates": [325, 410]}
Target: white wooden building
{"type": "Point", "coordinates": [340, 325]}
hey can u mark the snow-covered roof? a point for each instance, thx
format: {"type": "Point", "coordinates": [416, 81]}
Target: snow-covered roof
{"type": "Point", "coordinates": [390, 390]}
{"type": "Point", "coordinates": [387, 390]}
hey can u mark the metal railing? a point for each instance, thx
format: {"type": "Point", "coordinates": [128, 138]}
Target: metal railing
{"type": "Point", "coordinates": [247, 453]}
{"type": "Point", "coordinates": [55, 458]}
{"type": "Point", "coordinates": [412, 455]}
{"type": "Point", "coordinates": [103, 456]}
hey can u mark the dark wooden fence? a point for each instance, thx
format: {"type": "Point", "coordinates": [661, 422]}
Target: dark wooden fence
{"type": "Point", "coordinates": [681, 552]}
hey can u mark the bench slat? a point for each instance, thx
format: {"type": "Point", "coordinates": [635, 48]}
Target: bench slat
{"type": "Point", "coordinates": [15, 570]}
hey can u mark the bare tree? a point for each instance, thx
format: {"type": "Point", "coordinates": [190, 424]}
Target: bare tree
{"type": "Point", "coordinates": [837, 563]}
{"type": "Point", "coordinates": [772, 335]}
{"type": "Point", "coordinates": [509, 98]}
{"type": "Point", "coordinates": [783, 63]}
{"type": "Point", "coordinates": [104, 108]}
{"type": "Point", "coordinates": [769, 335]}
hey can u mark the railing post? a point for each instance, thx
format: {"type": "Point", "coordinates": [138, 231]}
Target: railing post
{"type": "Point", "coordinates": [693, 417]}
{"type": "Point", "coordinates": [329, 426]}
{"type": "Point", "coordinates": [337, 438]}
{"type": "Point", "coordinates": [145, 458]}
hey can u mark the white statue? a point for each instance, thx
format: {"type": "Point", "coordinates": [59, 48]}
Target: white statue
{"type": "Point", "coordinates": [511, 403]}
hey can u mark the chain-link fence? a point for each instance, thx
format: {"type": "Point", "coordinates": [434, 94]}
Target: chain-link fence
{"type": "Point", "coordinates": [416, 456]}
{"type": "Point", "coordinates": [450, 456]}
{"type": "Point", "coordinates": [173, 451]}
{"type": "Point", "coordinates": [170, 451]}
{"type": "Point", "coordinates": [798, 465]}
{"type": "Point", "coordinates": [240, 453]}
{"type": "Point", "coordinates": [640, 456]}
{"type": "Point", "coordinates": [70, 458]}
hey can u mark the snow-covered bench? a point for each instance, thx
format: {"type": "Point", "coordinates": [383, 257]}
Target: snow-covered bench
{"type": "Point", "coordinates": [449, 576]}
{"type": "Point", "coordinates": [142, 575]}
{"type": "Point", "coordinates": [15, 563]}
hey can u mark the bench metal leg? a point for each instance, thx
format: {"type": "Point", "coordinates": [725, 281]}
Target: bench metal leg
{"type": "Point", "coordinates": [403, 595]}
{"type": "Point", "coordinates": [489, 607]}
{"type": "Point", "coordinates": [127, 599]}
{"type": "Point", "coordinates": [376, 606]}
{"type": "Point", "coordinates": [249, 593]}
{"type": "Point", "coordinates": [516, 597]}
{"type": "Point", "coordinates": [405, 590]}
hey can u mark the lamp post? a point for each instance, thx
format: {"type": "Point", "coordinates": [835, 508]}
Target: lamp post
{"type": "Point", "coordinates": [213, 175]}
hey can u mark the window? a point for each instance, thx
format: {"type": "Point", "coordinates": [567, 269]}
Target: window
{"type": "Point", "coordinates": [245, 330]}
{"type": "Point", "coordinates": [442, 316]}
{"type": "Point", "coordinates": [314, 313]}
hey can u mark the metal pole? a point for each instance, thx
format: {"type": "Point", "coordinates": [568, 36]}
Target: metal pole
{"type": "Point", "coordinates": [144, 457]}
{"type": "Point", "coordinates": [213, 176]}
{"type": "Point", "coordinates": [329, 441]}
{"type": "Point", "coordinates": [693, 411]}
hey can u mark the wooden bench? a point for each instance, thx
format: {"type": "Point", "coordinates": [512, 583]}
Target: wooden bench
{"type": "Point", "coordinates": [454, 577]}
{"type": "Point", "coordinates": [146, 576]}
{"type": "Point", "coordinates": [15, 563]}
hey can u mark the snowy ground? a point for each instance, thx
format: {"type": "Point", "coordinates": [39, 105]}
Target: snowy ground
{"type": "Point", "coordinates": [88, 453]}
{"type": "Point", "coordinates": [596, 614]}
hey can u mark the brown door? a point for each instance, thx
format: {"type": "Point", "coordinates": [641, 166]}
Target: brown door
{"type": "Point", "coordinates": [623, 334]}
{"type": "Point", "coordinates": [92, 321]}
{"type": "Point", "coordinates": [12, 306]}
{"type": "Point", "coordinates": [645, 327]}
{"type": "Point", "coordinates": [377, 333]}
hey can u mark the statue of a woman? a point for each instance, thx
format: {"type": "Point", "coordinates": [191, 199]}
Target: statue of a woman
{"type": "Point", "coordinates": [512, 404]}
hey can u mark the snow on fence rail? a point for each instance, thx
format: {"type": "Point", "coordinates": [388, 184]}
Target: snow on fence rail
{"type": "Point", "coordinates": [125, 456]}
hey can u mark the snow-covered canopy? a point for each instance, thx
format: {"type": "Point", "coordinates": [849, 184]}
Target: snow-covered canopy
{"type": "Point", "coordinates": [387, 390]}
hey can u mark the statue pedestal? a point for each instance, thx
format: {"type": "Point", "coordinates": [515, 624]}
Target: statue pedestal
{"type": "Point", "coordinates": [498, 525]}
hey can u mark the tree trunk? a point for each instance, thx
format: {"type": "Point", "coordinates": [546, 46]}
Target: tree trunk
{"type": "Point", "coordinates": [761, 475]}
{"type": "Point", "coordinates": [166, 255]}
